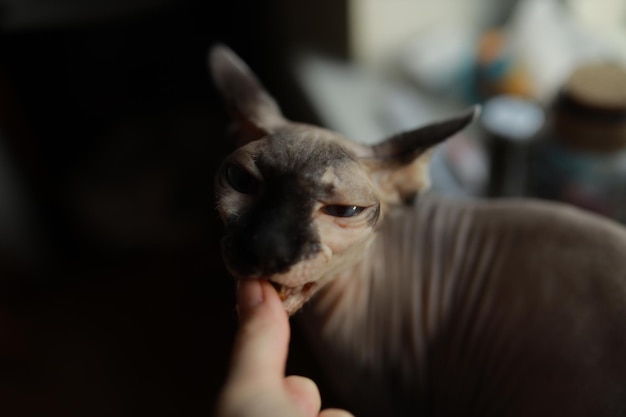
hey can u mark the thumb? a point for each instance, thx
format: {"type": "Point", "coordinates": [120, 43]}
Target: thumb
{"type": "Point", "coordinates": [261, 346]}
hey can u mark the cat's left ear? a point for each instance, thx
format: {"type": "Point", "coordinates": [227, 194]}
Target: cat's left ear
{"type": "Point", "coordinates": [400, 163]}
{"type": "Point", "coordinates": [254, 111]}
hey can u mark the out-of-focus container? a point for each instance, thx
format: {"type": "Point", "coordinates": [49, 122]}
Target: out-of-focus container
{"type": "Point", "coordinates": [511, 125]}
{"type": "Point", "coordinates": [582, 160]}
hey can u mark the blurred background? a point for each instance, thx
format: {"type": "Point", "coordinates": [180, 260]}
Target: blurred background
{"type": "Point", "coordinates": [113, 297]}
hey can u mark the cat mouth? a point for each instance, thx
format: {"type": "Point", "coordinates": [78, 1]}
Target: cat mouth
{"type": "Point", "coordinates": [293, 297]}
{"type": "Point", "coordinates": [284, 291]}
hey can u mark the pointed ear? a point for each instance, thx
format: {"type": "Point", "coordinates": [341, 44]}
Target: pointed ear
{"type": "Point", "coordinates": [254, 111]}
{"type": "Point", "coordinates": [405, 147]}
{"type": "Point", "coordinates": [400, 165]}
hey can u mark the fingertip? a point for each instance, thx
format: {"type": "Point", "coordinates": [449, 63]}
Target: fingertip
{"type": "Point", "coordinates": [263, 337]}
{"type": "Point", "coordinates": [249, 296]}
{"type": "Point", "coordinates": [254, 293]}
{"type": "Point", "coordinates": [250, 293]}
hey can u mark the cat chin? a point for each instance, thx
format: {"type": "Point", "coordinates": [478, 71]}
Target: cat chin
{"type": "Point", "coordinates": [293, 298]}
{"type": "Point", "coordinates": [296, 286]}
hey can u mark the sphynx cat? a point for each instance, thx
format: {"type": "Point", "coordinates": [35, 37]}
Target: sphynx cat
{"type": "Point", "coordinates": [418, 305]}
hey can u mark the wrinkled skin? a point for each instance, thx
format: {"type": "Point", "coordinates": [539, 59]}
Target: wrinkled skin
{"type": "Point", "coordinates": [419, 305]}
{"type": "Point", "coordinates": [479, 309]}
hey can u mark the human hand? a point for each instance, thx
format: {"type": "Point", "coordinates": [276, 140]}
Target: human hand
{"type": "Point", "coordinates": [256, 385]}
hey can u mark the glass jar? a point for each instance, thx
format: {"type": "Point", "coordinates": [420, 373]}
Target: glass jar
{"type": "Point", "coordinates": [582, 159]}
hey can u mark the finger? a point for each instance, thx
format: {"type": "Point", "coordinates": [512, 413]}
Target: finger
{"type": "Point", "coordinates": [304, 394]}
{"type": "Point", "coordinates": [333, 412]}
{"type": "Point", "coordinates": [262, 341]}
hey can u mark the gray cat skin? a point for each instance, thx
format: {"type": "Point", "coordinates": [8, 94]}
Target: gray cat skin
{"type": "Point", "coordinates": [417, 305]}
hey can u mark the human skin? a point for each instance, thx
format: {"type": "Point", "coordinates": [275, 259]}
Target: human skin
{"type": "Point", "coordinates": [256, 385]}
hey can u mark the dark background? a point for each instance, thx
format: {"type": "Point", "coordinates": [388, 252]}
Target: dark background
{"type": "Point", "coordinates": [119, 304]}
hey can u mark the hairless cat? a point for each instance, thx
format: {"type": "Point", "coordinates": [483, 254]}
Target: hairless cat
{"type": "Point", "coordinates": [417, 305]}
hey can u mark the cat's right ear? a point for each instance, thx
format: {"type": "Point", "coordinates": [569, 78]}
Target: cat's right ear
{"type": "Point", "coordinates": [253, 109]}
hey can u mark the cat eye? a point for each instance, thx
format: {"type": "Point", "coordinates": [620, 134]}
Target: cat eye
{"type": "Point", "coordinates": [241, 180]}
{"type": "Point", "coordinates": [342, 211]}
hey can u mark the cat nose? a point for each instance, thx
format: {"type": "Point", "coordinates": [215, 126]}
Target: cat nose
{"type": "Point", "coordinates": [273, 252]}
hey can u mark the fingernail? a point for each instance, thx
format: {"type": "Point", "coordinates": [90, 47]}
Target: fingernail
{"type": "Point", "coordinates": [249, 295]}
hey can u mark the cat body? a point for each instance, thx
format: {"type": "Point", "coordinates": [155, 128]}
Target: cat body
{"type": "Point", "coordinates": [417, 305]}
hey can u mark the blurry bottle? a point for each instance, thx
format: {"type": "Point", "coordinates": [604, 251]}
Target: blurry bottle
{"type": "Point", "coordinates": [511, 124]}
{"type": "Point", "coordinates": [582, 159]}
